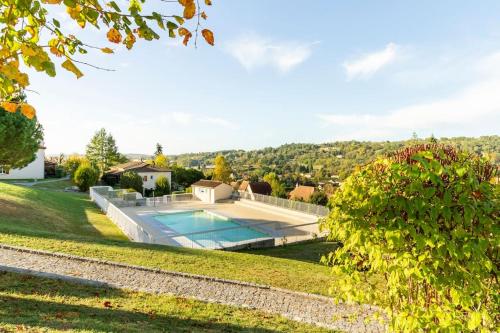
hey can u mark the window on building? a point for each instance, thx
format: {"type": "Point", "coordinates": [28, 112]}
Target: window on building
{"type": "Point", "coordinates": [3, 171]}
{"type": "Point", "coordinates": [145, 178]}
{"type": "Point", "coordinates": [151, 177]}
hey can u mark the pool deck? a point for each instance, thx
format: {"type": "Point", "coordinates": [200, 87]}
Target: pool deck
{"type": "Point", "coordinates": [278, 224]}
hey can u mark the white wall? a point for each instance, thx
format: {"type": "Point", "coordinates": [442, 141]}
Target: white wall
{"type": "Point", "coordinates": [152, 176]}
{"type": "Point", "coordinates": [211, 195]}
{"type": "Point", "coordinates": [223, 191]}
{"type": "Point", "coordinates": [34, 170]}
{"type": "Point", "coordinates": [205, 194]}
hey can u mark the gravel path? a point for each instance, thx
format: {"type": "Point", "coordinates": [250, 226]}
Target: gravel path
{"type": "Point", "coordinates": [318, 310]}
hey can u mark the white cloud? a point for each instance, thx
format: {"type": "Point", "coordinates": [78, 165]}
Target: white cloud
{"type": "Point", "coordinates": [476, 107]}
{"type": "Point", "coordinates": [182, 118]}
{"type": "Point", "coordinates": [253, 51]}
{"type": "Point", "coordinates": [367, 65]}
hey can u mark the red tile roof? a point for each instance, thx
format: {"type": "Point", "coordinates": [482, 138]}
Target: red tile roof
{"type": "Point", "coordinates": [301, 192]}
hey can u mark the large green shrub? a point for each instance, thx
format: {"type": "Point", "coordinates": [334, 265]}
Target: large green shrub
{"type": "Point", "coordinates": [420, 237]}
{"type": "Point", "coordinates": [162, 186]}
{"type": "Point", "coordinates": [20, 139]}
{"type": "Point", "coordinates": [85, 176]}
{"type": "Point", "coordinates": [131, 179]}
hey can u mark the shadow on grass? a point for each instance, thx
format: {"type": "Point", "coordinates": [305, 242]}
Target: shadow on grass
{"type": "Point", "coordinates": [57, 305]}
{"type": "Point", "coordinates": [310, 251]}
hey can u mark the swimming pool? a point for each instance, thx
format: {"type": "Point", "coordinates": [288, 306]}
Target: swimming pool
{"type": "Point", "coordinates": [207, 230]}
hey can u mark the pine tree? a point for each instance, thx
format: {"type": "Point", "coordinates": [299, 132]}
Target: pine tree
{"type": "Point", "coordinates": [159, 150]}
{"type": "Point", "coordinates": [102, 150]}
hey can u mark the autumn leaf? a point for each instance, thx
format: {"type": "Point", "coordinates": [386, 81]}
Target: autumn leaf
{"type": "Point", "coordinates": [70, 66]}
{"type": "Point", "coordinates": [28, 111]}
{"type": "Point", "coordinates": [204, 16]}
{"type": "Point", "coordinates": [9, 106]}
{"type": "Point", "coordinates": [54, 50]}
{"type": "Point", "coordinates": [27, 51]}
{"type": "Point", "coordinates": [208, 2]}
{"type": "Point", "coordinates": [107, 304]}
{"type": "Point", "coordinates": [107, 50]}
{"type": "Point", "coordinates": [183, 32]}
{"type": "Point", "coordinates": [209, 36]}
{"type": "Point", "coordinates": [129, 41]}
{"type": "Point", "coordinates": [52, 2]}
{"type": "Point", "coordinates": [114, 36]}
{"type": "Point", "coordinates": [189, 10]}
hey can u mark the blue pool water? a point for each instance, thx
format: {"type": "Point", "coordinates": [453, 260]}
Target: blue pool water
{"type": "Point", "coordinates": [208, 224]}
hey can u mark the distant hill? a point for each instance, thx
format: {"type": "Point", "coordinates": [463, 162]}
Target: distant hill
{"type": "Point", "coordinates": [322, 161]}
{"type": "Point", "coordinates": [138, 157]}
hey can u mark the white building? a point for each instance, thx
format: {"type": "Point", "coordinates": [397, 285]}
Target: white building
{"type": "Point", "coordinates": [148, 173]}
{"type": "Point", "coordinates": [210, 191]}
{"type": "Point", "coordinates": [34, 170]}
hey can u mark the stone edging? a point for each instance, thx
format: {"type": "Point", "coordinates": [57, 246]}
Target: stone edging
{"type": "Point", "coordinates": [161, 271]}
{"type": "Point", "coordinates": [305, 307]}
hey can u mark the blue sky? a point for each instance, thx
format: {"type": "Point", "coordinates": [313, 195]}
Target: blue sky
{"type": "Point", "coordinates": [287, 71]}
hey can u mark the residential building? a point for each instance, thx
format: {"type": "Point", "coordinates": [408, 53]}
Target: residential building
{"type": "Point", "coordinates": [34, 170]}
{"type": "Point", "coordinates": [148, 173]}
{"type": "Point", "coordinates": [301, 193]}
{"type": "Point", "coordinates": [211, 191]}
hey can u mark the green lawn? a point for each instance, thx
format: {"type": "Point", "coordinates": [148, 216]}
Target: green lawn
{"type": "Point", "coordinates": [59, 185]}
{"type": "Point", "coordinates": [70, 223]}
{"type": "Point", "coordinates": [39, 305]}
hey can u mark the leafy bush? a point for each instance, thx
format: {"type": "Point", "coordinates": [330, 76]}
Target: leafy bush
{"type": "Point", "coordinates": [420, 237]}
{"type": "Point", "coordinates": [85, 176]}
{"type": "Point", "coordinates": [162, 186]}
{"type": "Point", "coordinates": [319, 198]}
{"type": "Point", "coordinates": [72, 163]}
{"type": "Point", "coordinates": [131, 179]}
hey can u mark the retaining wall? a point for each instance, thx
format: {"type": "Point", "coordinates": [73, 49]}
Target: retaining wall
{"type": "Point", "coordinates": [129, 227]}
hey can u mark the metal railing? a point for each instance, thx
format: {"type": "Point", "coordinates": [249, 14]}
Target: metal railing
{"type": "Point", "coordinates": [300, 206]}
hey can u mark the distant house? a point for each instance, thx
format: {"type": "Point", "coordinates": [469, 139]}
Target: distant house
{"type": "Point", "coordinates": [263, 188]}
{"type": "Point", "coordinates": [211, 191]}
{"type": "Point", "coordinates": [301, 193]}
{"type": "Point", "coordinates": [34, 170]}
{"type": "Point", "coordinates": [148, 173]}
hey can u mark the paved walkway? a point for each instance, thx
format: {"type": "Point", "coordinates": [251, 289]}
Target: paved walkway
{"type": "Point", "coordinates": [302, 307]}
{"type": "Point", "coordinates": [42, 181]}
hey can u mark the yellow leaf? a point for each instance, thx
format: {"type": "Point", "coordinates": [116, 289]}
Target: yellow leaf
{"type": "Point", "coordinates": [74, 12]}
{"type": "Point", "coordinates": [52, 2]}
{"type": "Point", "coordinates": [70, 66]}
{"type": "Point", "coordinates": [107, 50]}
{"type": "Point", "coordinates": [185, 2]}
{"type": "Point", "coordinates": [9, 106]}
{"type": "Point", "coordinates": [208, 2]}
{"type": "Point", "coordinates": [189, 10]}
{"type": "Point", "coordinates": [209, 36]}
{"type": "Point", "coordinates": [27, 51]}
{"type": "Point", "coordinates": [204, 16]}
{"type": "Point", "coordinates": [129, 41]}
{"type": "Point", "coordinates": [114, 36]}
{"type": "Point", "coordinates": [28, 111]}
{"type": "Point", "coordinates": [183, 31]}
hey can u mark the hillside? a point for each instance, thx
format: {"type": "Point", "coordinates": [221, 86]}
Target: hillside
{"type": "Point", "coordinates": [322, 161]}
{"type": "Point", "coordinates": [71, 223]}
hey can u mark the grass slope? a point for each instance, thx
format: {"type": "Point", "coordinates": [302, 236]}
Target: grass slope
{"type": "Point", "coordinates": [38, 305]}
{"type": "Point", "coordinates": [70, 223]}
